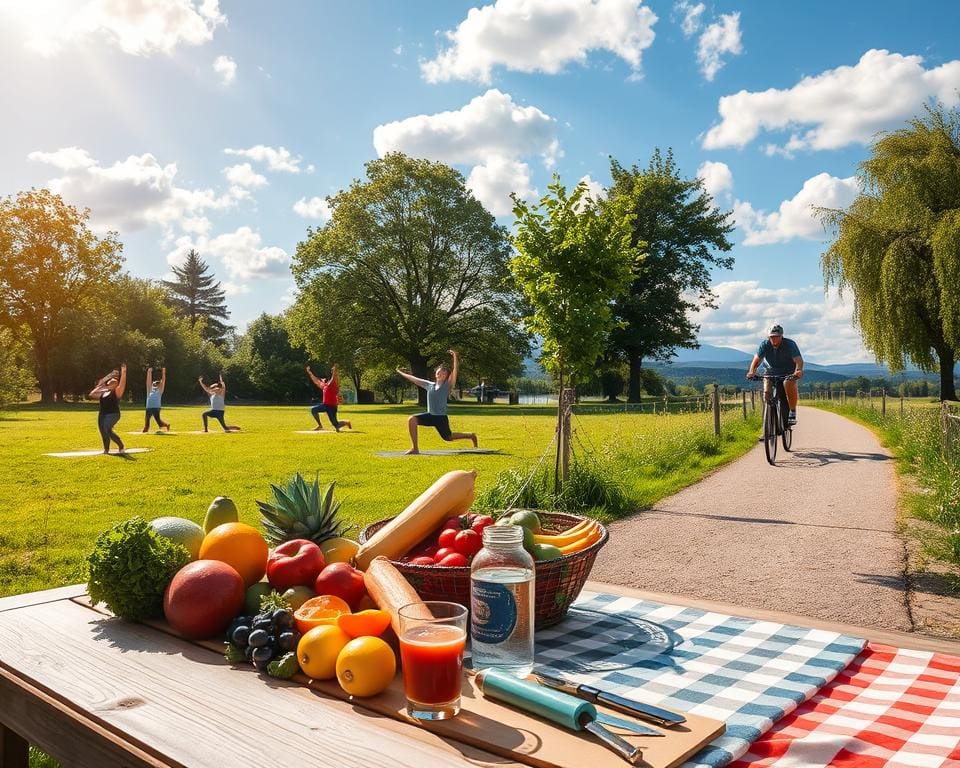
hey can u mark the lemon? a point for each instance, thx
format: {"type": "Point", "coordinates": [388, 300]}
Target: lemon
{"type": "Point", "coordinates": [318, 650]}
{"type": "Point", "coordinates": [366, 666]}
{"type": "Point", "coordinates": [339, 550]}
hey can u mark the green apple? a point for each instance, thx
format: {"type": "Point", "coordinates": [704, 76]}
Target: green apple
{"type": "Point", "coordinates": [543, 552]}
{"type": "Point", "coordinates": [526, 518]}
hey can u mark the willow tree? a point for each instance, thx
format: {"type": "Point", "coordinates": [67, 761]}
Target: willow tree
{"type": "Point", "coordinates": [897, 247]}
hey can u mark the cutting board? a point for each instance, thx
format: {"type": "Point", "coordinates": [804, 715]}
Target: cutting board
{"type": "Point", "coordinates": [509, 732]}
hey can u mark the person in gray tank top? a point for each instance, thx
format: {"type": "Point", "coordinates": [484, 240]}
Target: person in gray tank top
{"type": "Point", "coordinates": [154, 396]}
{"type": "Point", "coordinates": [437, 393]}
{"type": "Point", "coordinates": [218, 404]}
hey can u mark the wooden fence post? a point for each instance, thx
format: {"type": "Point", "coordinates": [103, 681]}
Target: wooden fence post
{"type": "Point", "coordinates": [566, 431]}
{"type": "Point", "coordinates": [744, 393]}
{"type": "Point", "coordinates": [716, 410]}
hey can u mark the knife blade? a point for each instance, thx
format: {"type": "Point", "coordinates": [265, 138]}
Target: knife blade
{"type": "Point", "coordinates": [628, 725]}
{"type": "Point", "coordinates": [638, 709]}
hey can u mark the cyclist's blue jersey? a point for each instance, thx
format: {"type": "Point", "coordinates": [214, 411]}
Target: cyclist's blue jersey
{"type": "Point", "coordinates": [779, 361]}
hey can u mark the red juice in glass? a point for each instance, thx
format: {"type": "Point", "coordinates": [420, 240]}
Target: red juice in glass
{"type": "Point", "coordinates": [432, 639]}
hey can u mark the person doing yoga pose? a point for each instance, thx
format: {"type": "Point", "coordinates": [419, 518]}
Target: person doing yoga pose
{"type": "Point", "coordinates": [154, 395]}
{"type": "Point", "coordinates": [218, 405]}
{"type": "Point", "coordinates": [331, 400]}
{"type": "Point", "coordinates": [436, 415]}
{"type": "Point", "coordinates": [109, 390]}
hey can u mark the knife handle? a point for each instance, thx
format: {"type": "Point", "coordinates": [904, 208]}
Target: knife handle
{"type": "Point", "coordinates": [561, 708]}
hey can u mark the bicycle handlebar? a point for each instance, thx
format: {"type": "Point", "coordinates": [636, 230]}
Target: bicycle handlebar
{"type": "Point", "coordinates": [783, 377]}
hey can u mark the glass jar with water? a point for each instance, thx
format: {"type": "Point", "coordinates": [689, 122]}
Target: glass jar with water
{"type": "Point", "coordinates": [501, 602]}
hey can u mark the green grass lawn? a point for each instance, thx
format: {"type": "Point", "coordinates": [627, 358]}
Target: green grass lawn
{"type": "Point", "coordinates": [55, 507]}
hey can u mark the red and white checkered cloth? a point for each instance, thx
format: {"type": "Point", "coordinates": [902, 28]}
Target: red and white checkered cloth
{"type": "Point", "coordinates": [890, 708]}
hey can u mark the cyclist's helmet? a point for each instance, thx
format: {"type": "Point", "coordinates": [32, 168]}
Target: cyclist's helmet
{"type": "Point", "coordinates": [777, 330]}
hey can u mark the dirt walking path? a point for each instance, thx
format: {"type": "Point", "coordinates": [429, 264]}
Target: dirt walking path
{"type": "Point", "coordinates": [814, 535]}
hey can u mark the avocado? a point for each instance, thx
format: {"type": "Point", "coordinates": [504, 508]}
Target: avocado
{"type": "Point", "coordinates": [221, 510]}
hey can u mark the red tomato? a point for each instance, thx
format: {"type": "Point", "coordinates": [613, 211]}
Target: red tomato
{"type": "Point", "coordinates": [468, 543]}
{"type": "Point", "coordinates": [480, 522]}
{"type": "Point", "coordinates": [423, 560]}
{"type": "Point", "coordinates": [454, 523]}
{"type": "Point", "coordinates": [443, 552]}
{"type": "Point", "coordinates": [446, 537]}
{"type": "Point", "coordinates": [454, 560]}
{"type": "Point", "coordinates": [431, 551]}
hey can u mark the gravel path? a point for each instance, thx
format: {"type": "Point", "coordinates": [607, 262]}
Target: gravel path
{"type": "Point", "coordinates": [814, 535]}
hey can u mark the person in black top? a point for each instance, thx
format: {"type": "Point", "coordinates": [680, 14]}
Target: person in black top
{"type": "Point", "coordinates": [109, 390]}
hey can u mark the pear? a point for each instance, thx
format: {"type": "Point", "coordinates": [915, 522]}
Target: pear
{"type": "Point", "coordinates": [221, 510]}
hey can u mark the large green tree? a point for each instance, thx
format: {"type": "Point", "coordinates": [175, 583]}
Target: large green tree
{"type": "Point", "coordinates": [682, 235]}
{"type": "Point", "coordinates": [897, 247]}
{"type": "Point", "coordinates": [574, 259]}
{"type": "Point", "coordinates": [195, 294]}
{"type": "Point", "coordinates": [421, 267]}
{"type": "Point", "coordinates": [273, 366]}
{"type": "Point", "coordinates": [51, 267]}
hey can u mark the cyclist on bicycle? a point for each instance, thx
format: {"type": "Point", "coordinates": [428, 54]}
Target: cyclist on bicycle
{"type": "Point", "coordinates": [782, 358]}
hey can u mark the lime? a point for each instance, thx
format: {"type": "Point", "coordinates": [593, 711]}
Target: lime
{"type": "Point", "coordinates": [253, 595]}
{"type": "Point", "coordinates": [543, 552]}
{"type": "Point", "coordinates": [526, 518]}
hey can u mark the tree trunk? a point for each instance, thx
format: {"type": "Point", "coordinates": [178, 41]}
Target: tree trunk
{"type": "Point", "coordinates": [42, 357]}
{"type": "Point", "coordinates": [633, 389]}
{"type": "Point", "coordinates": [418, 367]}
{"type": "Point", "coordinates": [948, 390]}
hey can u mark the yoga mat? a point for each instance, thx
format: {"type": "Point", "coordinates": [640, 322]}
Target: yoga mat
{"type": "Point", "coordinates": [78, 454]}
{"type": "Point", "coordinates": [392, 454]}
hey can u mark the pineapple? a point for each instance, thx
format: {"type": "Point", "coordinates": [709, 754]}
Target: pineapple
{"type": "Point", "coordinates": [301, 512]}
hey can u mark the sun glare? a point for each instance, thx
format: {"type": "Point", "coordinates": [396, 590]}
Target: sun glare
{"type": "Point", "coordinates": [44, 23]}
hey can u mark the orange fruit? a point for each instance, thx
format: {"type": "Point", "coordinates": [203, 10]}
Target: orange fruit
{"type": "Point", "coordinates": [239, 545]}
{"type": "Point", "coordinates": [366, 666]}
{"type": "Point", "coordinates": [365, 623]}
{"type": "Point", "coordinates": [318, 650]}
{"type": "Point", "coordinates": [318, 611]}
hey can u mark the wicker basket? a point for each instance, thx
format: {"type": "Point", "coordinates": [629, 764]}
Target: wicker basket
{"type": "Point", "coordinates": [558, 581]}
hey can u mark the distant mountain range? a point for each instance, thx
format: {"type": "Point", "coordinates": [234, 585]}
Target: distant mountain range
{"type": "Point", "coordinates": [727, 366]}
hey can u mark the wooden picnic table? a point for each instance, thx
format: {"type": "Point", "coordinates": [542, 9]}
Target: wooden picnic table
{"type": "Point", "coordinates": [92, 691]}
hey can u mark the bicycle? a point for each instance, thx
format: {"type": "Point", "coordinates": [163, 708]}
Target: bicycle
{"type": "Point", "coordinates": [776, 412]}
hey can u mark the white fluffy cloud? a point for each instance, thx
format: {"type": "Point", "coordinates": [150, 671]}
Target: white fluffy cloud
{"type": "Point", "coordinates": [821, 324]}
{"type": "Point", "coordinates": [226, 68]}
{"type": "Point", "coordinates": [138, 27]}
{"type": "Point", "coordinates": [541, 36]}
{"type": "Point", "coordinates": [314, 208]}
{"type": "Point", "coordinates": [493, 182]}
{"type": "Point", "coordinates": [278, 159]}
{"type": "Point", "coordinates": [130, 194]}
{"type": "Point", "coordinates": [842, 106]}
{"type": "Point", "coordinates": [595, 190]}
{"type": "Point", "coordinates": [241, 252]}
{"type": "Point", "coordinates": [716, 177]}
{"type": "Point", "coordinates": [243, 175]}
{"type": "Point", "coordinates": [795, 217]}
{"type": "Point", "coordinates": [491, 125]}
{"type": "Point", "coordinates": [690, 16]}
{"type": "Point", "coordinates": [719, 39]}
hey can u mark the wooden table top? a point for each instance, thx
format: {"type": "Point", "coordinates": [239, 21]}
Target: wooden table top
{"type": "Point", "coordinates": [94, 692]}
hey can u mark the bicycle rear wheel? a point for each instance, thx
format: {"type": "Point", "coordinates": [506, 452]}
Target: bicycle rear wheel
{"type": "Point", "coordinates": [787, 438]}
{"type": "Point", "coordinates": [770, 432]}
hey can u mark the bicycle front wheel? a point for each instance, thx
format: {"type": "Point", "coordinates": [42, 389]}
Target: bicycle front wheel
{"type": "Point", "coordinates": [770, 433]}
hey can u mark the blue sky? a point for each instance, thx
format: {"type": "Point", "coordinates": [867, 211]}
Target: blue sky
{"type": "Point", "coordinates": [188, 123]}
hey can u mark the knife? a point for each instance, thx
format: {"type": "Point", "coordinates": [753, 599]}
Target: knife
{"type": "Point", "coordinates": [628, 725]}
{"type": "Point", "coordinates": [598, 696]}
{"type": "Point", "coordinates": [561, 708]}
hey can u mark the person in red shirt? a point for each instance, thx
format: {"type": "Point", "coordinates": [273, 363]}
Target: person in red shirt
{"type": "Point", "coordinates": [331, 399]}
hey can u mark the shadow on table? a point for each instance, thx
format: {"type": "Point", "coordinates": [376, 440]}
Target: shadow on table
{"type": "Point", "coordinates": [131, 637]}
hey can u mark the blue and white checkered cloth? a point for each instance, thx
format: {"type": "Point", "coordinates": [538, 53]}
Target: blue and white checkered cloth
{"type": "Point", "coordinates": [747, 673]}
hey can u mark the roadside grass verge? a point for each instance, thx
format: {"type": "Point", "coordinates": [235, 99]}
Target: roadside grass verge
{"type": "Point", "coordinates": [55, 508]}
{"type": "Point", "coordinates": [933, 496]}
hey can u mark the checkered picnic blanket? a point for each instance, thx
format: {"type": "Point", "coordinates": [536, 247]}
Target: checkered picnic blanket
{"type": "Point", "coordinates": [747, 673]}
{"type": "Point", "coordinates": [891, 708]}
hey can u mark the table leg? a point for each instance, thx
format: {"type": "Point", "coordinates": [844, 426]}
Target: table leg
{"type": "Point", "coordinates": [14, 750]}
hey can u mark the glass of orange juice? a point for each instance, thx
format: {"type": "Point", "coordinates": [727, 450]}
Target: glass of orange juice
{"type": "Point", "coordinates": [432, 637]}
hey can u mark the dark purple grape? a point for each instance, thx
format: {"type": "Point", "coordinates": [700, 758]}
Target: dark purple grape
{"type": "Point", "coordinates": [258, 638]}
{"type": "Point", "coordinates": [240, 635]}
{"type": "Point", "coordinates": [262, 654]}
{"type": "Point", "coordinates": [288, 641]}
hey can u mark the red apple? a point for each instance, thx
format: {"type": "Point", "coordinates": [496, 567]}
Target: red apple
{"type": "Point", "coordinates": [295, 563]}
{"type": "Point", "coordinates": [343, 581]}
